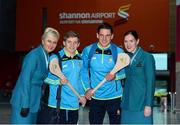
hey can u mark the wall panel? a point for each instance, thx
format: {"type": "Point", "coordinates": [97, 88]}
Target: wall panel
{"type": "Point", "coordinates": [149, 18]}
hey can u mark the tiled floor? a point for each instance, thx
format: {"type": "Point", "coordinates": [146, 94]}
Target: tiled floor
{"type": "Point", "coordinates": [159, 117]}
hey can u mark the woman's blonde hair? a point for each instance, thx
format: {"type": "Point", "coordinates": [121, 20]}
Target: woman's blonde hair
{"type": "Point", "coordinates": [52, 31]}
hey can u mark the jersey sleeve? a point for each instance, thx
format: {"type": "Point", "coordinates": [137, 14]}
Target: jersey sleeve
{"type": "Point", "coordinates": [85, 70]}
{"type": "Point", "coordinates": [51, 78]}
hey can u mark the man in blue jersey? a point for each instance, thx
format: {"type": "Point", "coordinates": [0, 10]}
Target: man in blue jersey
{"type": "Point", "coordinates": [95, 68]}
{"type": "Point", "coordinates": [63, 104]}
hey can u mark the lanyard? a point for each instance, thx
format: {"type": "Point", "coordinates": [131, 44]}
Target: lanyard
{"type": "Point", "coordinates": [46, 58]}
{"type": "Point", "coordinates": [134, 56]}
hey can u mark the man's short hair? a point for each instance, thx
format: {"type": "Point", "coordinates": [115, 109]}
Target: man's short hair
{"type": "Point", "coordinates": [105, 26]}
{"type": "Point", "coordinates": [71, 34]}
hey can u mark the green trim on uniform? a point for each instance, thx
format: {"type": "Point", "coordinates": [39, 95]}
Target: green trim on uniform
{"type": "Point", "coordinates": [120, 77]}
{"type": "Point", "coordinates": [106, 98]}
{"type": "Point", "coordinates": [51, 81]}
{"type": "Point", "coordinates": [63, 108]}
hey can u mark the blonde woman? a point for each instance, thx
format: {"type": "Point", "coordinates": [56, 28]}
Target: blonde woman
{"type": "Point", "coordinates": [26, 95]}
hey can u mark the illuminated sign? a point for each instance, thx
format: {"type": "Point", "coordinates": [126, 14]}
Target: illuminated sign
{"type": "Point", "coordinates": [92, 18]}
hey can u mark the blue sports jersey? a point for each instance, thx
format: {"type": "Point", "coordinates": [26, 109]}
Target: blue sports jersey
{"type": "Point", "coordinates": [99, 66]}
{"type": "Point", "coordinates": [71, 68]}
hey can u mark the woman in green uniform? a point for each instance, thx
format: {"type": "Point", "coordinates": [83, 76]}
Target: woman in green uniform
{"type": "Point", "coordinates": [137, 101]}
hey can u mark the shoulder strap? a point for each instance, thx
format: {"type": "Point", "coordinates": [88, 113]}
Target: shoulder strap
{"type": "Point", "coordinates": [114, 55]}
{"type": "Point", "coordinates": [92, 50]}
{"type": "Point", "coordinates": [114, 51]}
{"type": "Point", "coordinates": [45, 88]}
{"type": "Point", "coordinates": [58, 97]}
{"type": "Point", "coordinates": [58, 94]}
{"type": "Point", "coordinates": [59, 59]}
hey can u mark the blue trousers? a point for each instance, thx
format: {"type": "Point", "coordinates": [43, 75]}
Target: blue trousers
{"type": "Point", "coordinates": [16, 118]}
{"type": "Point", "coordinates": [98, 109]}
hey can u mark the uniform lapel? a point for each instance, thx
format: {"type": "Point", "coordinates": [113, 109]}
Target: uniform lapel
{"type": "Point", "coordinates": [42, 58]}
{"type": "Point", "coordinates": [137, 57]}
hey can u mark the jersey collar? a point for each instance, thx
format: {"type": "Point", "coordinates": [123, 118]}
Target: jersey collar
{"type": "Point", "coordinates": [68, 54]}
{"type": "Point", "coordinates": [99, 46]}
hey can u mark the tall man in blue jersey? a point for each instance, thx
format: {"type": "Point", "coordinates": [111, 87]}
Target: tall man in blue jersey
{"type": "Point", "coordinates": [108, 96]}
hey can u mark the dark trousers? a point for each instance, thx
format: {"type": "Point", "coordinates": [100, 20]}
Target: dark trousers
{"type": "Point", "coordinates": [43, 114]}
{"type": "Point", "coordinates": [98, 109]}
{"type": "Point", "coordinates": [48, 115]}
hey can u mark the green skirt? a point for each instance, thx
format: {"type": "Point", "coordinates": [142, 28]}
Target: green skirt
{"type": "Point", "coordinates": [131, 117]}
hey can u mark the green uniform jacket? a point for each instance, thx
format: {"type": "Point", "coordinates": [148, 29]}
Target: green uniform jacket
{"type": "Point", "coordinates": [27, 92]}
{"type": "Point", "coordinates": [140, 82]}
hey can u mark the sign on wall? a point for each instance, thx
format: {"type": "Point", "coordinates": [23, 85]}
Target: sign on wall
{"type": "Point", "coordinates": [149, 18]}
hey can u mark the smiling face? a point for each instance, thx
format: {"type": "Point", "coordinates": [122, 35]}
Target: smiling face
{"type": "Point", "coordinates": [50, 39]}
{"type": "Point", "coordinates": [49, 43]}
{"type": "Point", "coordinates": [71, 44]}
{"type": "Point", "coordinates": [104, 36]}
{"type": "Point", "coordinates": [130, 43]}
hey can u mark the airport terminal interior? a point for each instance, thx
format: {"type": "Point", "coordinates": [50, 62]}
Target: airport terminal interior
{"type": "Point", "coordinates": [158, 22]}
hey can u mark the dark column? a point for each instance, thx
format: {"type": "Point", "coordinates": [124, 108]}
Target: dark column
{"type": "Point", "coordinates": [7, 24]}
{"type": "Point", "coordinates": [44, 18]}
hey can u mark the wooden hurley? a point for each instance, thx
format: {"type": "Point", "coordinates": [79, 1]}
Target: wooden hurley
{"type": "Point", "coordinates": [123, 60]}
{"type": "Point", "coordinates": [72, 88]}
{"type": "Point", "coordinates": [55, 69]}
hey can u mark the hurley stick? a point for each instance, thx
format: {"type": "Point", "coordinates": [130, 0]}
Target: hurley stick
{"type": "Point", "coordinates": [123, 60]}
{"type": "Point", "coordinates": [55, 69]}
